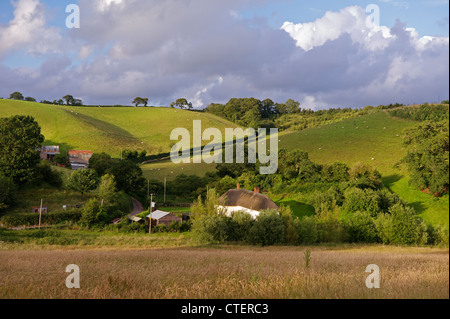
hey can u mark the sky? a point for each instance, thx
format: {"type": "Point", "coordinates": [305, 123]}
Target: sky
{"type": "Point", "coordinates": [323, 53]}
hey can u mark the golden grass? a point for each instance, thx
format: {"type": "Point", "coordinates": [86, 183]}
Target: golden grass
{"type": "Point", "coordinates": [233, 272]}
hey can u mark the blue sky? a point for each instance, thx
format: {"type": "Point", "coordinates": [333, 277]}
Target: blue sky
{"type": "Point", "coordinates": [429, 17]}
{"type": "Point", "coordinates": [209, 51]}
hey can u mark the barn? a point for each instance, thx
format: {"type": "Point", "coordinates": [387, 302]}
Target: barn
{"type": "Point", "coordinates": [159, 217]}
{"type": "Point", "coordinates": [242, 200]}
{"type": "Point", "coordinates": [49, 152]}
{"type": "Point", "coordinates": [79, 159]}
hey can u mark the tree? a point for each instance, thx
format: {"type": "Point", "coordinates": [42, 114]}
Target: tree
{"type": "Point", "coordinates": [182, 103]}
{"type": "Point", "coordinates": [129, 177]}
{"type": "Point", "coordinates": [292, 106]}
{"type": "Point", "coordinates": [16, 96]}
{"type": "Point", "coordinates": [69, 99]}
{"type": "Point", "coordinates": [101, 163]}
{"type": "Point", "coordinates": [139, 100]}
{"type": "Point", "coordinates": [427, 157]}
{"type": "Point", "coordinates": [20, 141]}
{"type": "Point", "coordinates": [107, 189]}
{"type": "Point", "coordinates": [90, 212]}
{"type": "Point", "coordinates": [7, 192]}
{"type": "Point", "coordinates": [30, 99]}
{"type": "Point", "coordinates": [83, 181]}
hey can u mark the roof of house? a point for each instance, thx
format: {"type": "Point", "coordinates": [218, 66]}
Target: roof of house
{"type": "Point", "coordinates": [158, 214]}
{"type": "Point", "coordinates": [80, 153]}
{"type": "Point", "coordinates": [247, 199]}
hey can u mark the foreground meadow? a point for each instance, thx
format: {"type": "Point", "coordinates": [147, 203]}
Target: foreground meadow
{"type": "Point", "coordinates": [226, 272]}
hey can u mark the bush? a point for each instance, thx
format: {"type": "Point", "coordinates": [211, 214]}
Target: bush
{"type": "Point", "coordinates": [268, 230]}
{"type": "Point", "coordinates": [288, 219]}
{"type": "Point", "coordinates": [329, 226]}
{"type": "Point", "coordinates": [306, 230]}
{"type": "Point", "coordinates": [31, 219]}
{"type": "Point", "coordinates": [364, 200]}
{"type": "Point", "coordinates": [361, 228]}
{"type": "Point", "coordinates": [210, 228]}
{"type": "Point", "coordinates": [437, 235]}
{"type": "Point", "coordinates": [238, 226]}
{"type": "Point", "coordinates": [323, 200]}
{"type": "Point", "coordinates": [401, 227]}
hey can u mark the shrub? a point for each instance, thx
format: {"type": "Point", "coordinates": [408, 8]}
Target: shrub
{"type": "Point", "coordinates": [210, 228]}
{"type": "Point", "coordinates": [306, 230]}
{"type": "Point", "coordinates": [238, 226]}
{"type": "Point", "coordinates": [289, 226]}
{"type": "Point", "coordinates": [31, 219]}
{"type": "Point", "coordinates": [90, 212]}
{"type": "Point", "coordinates": [366, 200]}
{"type": "Point", "coordinates": [401, 227]}
{"type": "Point", "coordinates": [174, 227]}
{"type": "Point", "coordinates": [323, 200]}
{"type": "Point", "coordinates": [268, 230]}
{"type": "Point", "coordinates": [329, 226]}
{"type": "Point", "coordinates": [437, 235]}
{"type": "Point", "coordinates": [361, 228]}
{"type": "Point", "coordinates": [363, 176]}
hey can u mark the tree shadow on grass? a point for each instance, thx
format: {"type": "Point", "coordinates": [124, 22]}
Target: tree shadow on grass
{"type": "Point", "coordinates": [298, 208]}
{"type": "Point", "coordinates": [390, 180]}
{"type": "Point", "coordinates": [419, 207]}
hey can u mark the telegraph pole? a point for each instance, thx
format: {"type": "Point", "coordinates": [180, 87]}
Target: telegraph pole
{"type": "Point", "coordinates": [40, 214]}
{"type": "Point", "coordinates": [150, 215]}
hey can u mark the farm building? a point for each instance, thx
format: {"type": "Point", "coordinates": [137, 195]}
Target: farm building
{"type": "Point", "coordinates": [79, 159]}
{"type": "Point", "coordinates": [163, 218]}
{"type": "Point", "coordinates": [242, 200]}
{"type": "Point", "coordinates": [49, 152]}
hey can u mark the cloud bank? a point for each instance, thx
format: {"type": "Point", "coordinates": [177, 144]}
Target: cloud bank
{"type": "Point", "coordinates": [203, 51]}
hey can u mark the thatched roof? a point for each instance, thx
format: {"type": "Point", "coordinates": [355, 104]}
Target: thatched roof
{"type": "Point", "coordinates": [247, 199]}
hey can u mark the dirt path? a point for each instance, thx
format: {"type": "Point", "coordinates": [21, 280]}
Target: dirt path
{"type": "Point", "coordinates": [137, 207]}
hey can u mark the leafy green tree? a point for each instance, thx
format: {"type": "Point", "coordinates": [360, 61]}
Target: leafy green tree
{"type": "Point", "coordinates": [107, 189]}
{"type": "Point", "coordinates": [7, 192]}
{"type": "Point", "coordinates": [139, 100]}
{"type": "Point", "coordinates": [90, 212]}
{"type": "Point", "coordinates": [129, 177]}
{"type": "Point", "coordinates": [292, 106]}
{"type": "Point", "coordinates": [401, 227]}
{"type": "Point", "coordinates": [182, 104]}
{"type": "Point", "coordinates": [16, 96]}
{"type": "Point", "coordinates": [20, 142]}
{"type": "Point", "coordinates": [364, 176]}
{"type": "Point", "coordinates": [83, 181]}
{"type": "Point", "coordinates": [69, 99]}
{"type": "Point", "coordinates": [30, 99]}
{"type": "Point", "coordinates": [427, 157]}
{"type": "Point", "coordinates": [101, 163]}
{"type": "Point", "coordinates": [361, 228]}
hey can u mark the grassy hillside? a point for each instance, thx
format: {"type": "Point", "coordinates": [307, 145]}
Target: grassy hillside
{"type": "Point", "coordinates": [110, 129]}
{"type": "Point", "coordinates": [375, 139]}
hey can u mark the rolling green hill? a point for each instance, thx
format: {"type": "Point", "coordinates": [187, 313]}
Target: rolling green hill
{"type": "Point", "coordinates": [110, 129]}
{"type": "Point", "coordinates": [374, 139]}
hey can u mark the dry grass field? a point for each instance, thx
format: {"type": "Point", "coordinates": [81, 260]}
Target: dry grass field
{"type": "Point", "coordinates": [223, 272]}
